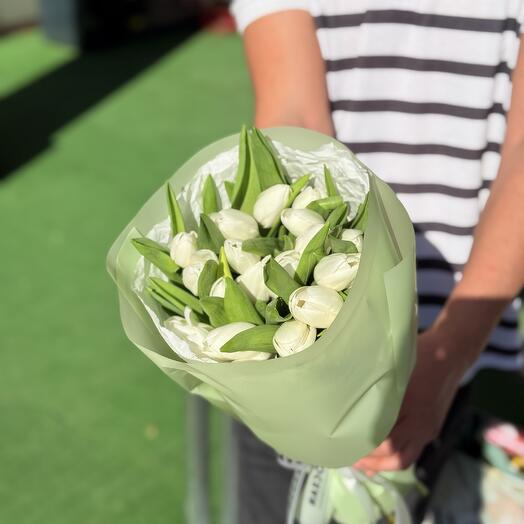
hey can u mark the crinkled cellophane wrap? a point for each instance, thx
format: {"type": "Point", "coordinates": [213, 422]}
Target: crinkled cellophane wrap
{"type": "Point", "coordinates": [337, 400]}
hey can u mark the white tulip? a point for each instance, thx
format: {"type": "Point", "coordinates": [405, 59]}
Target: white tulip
{"type": "Point", "coordinates": [235, 224]}
{"type": "Point", "coordinates": [289, 261]}
{"type": "Point", "coordinates": [305, 238]}
{"type": "Point", "coordinates": [220, 335]}
{"type": "Point", "coordinates": [298, 221]}
{"type": "Point", "coordinates": [270, 203]}
{"type": "Point", "coordinates": [293, 336]}
{"type": "Point", "coordinates": [203, 255]}
{"type": "Point", "coordinates": [218, 289]}
{"type": "Point", "coordinates": [316, 306]}
{"type": "Point", "coordinates": [253, 282]}
{"type": "Point", "coordinates": [194, 333]}
{"type": "Point", "coordinates": [305, 197]}
{"type": "Point", "coordinates": [353, 235]}
{"type": "Point", "coordinates": [183, 247]}
{"type": "Point", "coordinates": [190, 276]}
{"type": "Point", "coordinates": [239, 260]}
{"type": "Point", "coordinates": [337, 271]}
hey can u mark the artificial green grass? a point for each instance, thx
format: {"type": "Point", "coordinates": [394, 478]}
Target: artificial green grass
{"type": "Point", "coordinates": [91, 431]}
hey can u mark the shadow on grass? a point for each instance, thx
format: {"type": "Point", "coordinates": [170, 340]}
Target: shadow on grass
{"type": "Point", "coordinates": [30, 116]}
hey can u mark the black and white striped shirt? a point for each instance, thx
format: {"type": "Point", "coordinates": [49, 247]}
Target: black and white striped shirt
{"type": "Point", "coordinates": [419, 89]}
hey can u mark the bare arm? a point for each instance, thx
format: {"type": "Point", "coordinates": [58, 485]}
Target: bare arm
{"type": "Point", "coordinates": [287, 71]}
{"type": "Point", "coordinates": [493, 275]}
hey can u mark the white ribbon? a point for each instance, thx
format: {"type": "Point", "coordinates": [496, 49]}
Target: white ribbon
{"type": "Point", "coordinates": [309, 502]}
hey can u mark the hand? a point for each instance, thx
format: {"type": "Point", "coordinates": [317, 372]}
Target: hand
{"type": "Point", "coordinates": [429, 395]}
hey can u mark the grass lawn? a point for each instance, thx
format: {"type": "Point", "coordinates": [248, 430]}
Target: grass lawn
{"type": "Point", "coordinates": [91, 431]}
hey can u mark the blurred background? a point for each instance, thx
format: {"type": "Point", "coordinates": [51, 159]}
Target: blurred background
{"type": "Point", "coordinates": [99, 103]}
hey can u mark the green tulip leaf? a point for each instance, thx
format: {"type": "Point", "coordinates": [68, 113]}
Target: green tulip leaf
{"type": "Point", "coordinates": [341, 246]}
{"type": "Point", "coordinates": [289, 242]}
{"type": "Point", "coordinates": [215, 310]}
{"type": "Point", "coordinates": [361, 218]}
{"type": "Point", "coordinates": [178, 293]}
{"type": "Point", "coordinates": [338, 215]}
{"type": "Point", "coordinates": [177, 220]}
{"type": "Point", "coordinates": [258, 338]}
{"type": "Point", "coordinates": [277, 279]}
{"type": "Point", "coordinates": [261, 246]}
{"type": "Point", "coordinates": [158, 255]}
{"type": "Point", "coordinates": [165, 303]}
{"type": "Point", "coordinates": [238, 306]}
{"type": "Point", "coordinates": [265, 160]}
{"type": "Point", "coordinates": [223, 265]}
{"type": "Point", "coordinates": [331, 188]}
{"type": "Point", "coordinates": [277, 312]}
{"type": "Point", "coordinates": [311, 255]}
{"type": "Point", "coordinates": [230, 189]}
{"type": "Point", "coordinates": [210, 197]}
{"type": "Point", "coordinates": [242, 176]}
{"type": "Point", "coordinates": [260, 306]}
{"type": "Point", "coordinates": [209, 236]}
{"type": "Point", "coordinates": [324, 206]}
{"type": "Point", "coordinates": [207, 278]}
{"type": "Point", "coordinates": [296, 188]}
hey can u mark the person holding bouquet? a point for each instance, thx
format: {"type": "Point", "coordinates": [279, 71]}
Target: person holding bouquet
{"type": "Point", "coordinates": [430, 95]}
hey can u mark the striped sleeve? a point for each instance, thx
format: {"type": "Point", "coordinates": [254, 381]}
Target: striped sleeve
{"type": "Point", "coordinates": [247, 11]}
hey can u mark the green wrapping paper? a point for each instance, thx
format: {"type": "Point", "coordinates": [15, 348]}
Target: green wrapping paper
{"type": "Point", "coordinates": [334, 402]}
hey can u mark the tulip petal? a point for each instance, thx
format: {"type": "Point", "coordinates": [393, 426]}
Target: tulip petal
{"type": "Point", "coordinates": [159, 256]}
{"type": "Point", "coordinates": [210, 197]}
{"type": "Point", "coordinates": [175, 214]}
{"type": "Point", "coordinates": [278, 281]}
{"type": "Point", "coordinates": [209, 236]}
{"type": "Point", "coordinates": [258, 338]}
{"type": "Point", "coordinates": [238, 306]}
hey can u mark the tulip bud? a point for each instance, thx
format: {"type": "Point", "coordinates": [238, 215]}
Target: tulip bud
{"type": "Point", "coordinates": [293, 336]}
{"type": "Point", "coordinates": [353, 235]}
{"type": "Point", "coordinates": [270, 203]}
{"type": "Point", "coordinates": [235, 224]}
{"type": "Point", "coordinates": [252, 281]}
{"type": "Point", "coordinates": [190, 276]}
{"type": "Point", "coordinates": [220, 335]}
{"type": "Point", "coordinates": [298, 221]}
{"type": "Point", "coordinates": [316, 306]}
{"type": "Point", "coordinates": [305, 238]}
{"type": "Point", "coordinates": [203, 255]}
{"type": "Point", "coordinates": [305, 197]}
{"type": "Point", "coordinates": [194, 333]}
{"type": "Point", "coordinates": [289, 261]}
{"type": "Point", "coordinates": [337, 271]}
{"type": "Point", "coordinates": [218, 289]}
{"type": "Point", "coordinates": [239, 260]}
{"type": "Point", "coordinates": [183, 247]}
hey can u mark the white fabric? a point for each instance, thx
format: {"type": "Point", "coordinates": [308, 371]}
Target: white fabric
{"type": "Point", "coordinates": [420, 90]}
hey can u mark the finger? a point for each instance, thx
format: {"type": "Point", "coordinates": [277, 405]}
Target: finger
{"type": "Point", "coordinates": [397, 461]}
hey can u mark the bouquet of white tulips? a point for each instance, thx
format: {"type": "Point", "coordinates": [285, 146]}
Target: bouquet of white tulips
{"type": "Point", "coordinates": [277, 281]}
